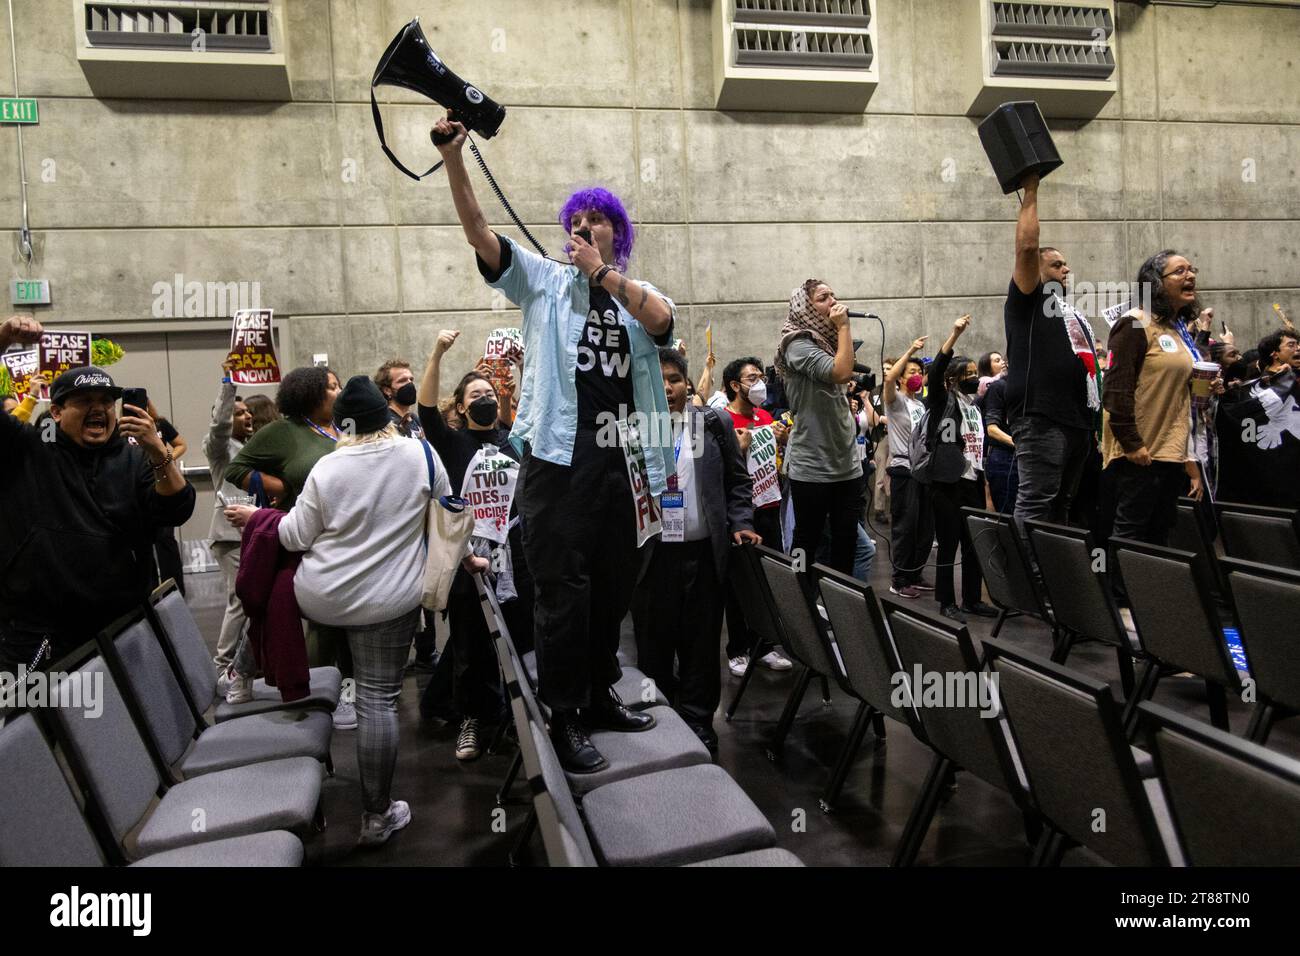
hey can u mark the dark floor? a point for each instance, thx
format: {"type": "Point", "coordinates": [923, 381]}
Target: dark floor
{"type": "Point", "coordinates": [455, 820]}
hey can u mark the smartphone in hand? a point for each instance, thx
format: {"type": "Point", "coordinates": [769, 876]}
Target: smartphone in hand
{"type": "Point", "coordinates": [136, 397]}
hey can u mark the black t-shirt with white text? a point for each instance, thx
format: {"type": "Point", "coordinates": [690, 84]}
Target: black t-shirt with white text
{"type": "Point", "coordinates": [604, 374]}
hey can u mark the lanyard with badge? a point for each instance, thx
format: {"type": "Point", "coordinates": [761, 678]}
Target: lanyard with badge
{"type": "Point", "coordinates": [673, 501]}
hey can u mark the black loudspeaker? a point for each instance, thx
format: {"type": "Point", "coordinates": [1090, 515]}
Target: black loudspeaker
{"type": "Point", "coordinates": [410, 62]}
{"type": "Point", "coordinates": [1017, 143]}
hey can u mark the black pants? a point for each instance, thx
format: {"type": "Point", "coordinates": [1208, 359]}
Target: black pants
{"type": "Point", "coordinates": [816, 503]}
{"type": "Point", "coordinates": [580, 542]}
{"type": "Point", "coordinates": [168, 554]}
{"type": "Point", "coordinates": [677, 616]}
{"type": "Point", "coordinates": [949, 498]}
{"type": "Point", "coordinates": [1050, 459]}
{"type": "Point", "coordinates": [475, 676]}
{"type": "Point", "coordinates": [740, 641]}
{"type": "Point", "coordinates": [911, 526]}
{"type": "Point", "coordinates": [1146, 499]}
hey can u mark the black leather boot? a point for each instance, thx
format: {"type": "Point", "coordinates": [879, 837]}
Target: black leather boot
{"type": "Point", "coordinates": [576, 752]}
{"type": "Point", "coordinates": [608, 713]}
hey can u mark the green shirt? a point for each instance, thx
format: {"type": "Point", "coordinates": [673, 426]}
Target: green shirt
{"type": "Point", "coordinates": [286, 449]}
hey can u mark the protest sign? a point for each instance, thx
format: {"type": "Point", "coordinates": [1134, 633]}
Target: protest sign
{"type": "Point", "coordinates": [60, 351]}
{"type": "Point", "coordinates": [252, 348]}
{"type": "Point", "coordinates": [762, 465]}
{"type": "Point", "coordinates": [489, 488]}
{"type": "Point", "coordinates": [648, 523]}
{"type": "Point", "coordinates": [22, 365]}
{"type": "Point", "coordinates": [504, 348]}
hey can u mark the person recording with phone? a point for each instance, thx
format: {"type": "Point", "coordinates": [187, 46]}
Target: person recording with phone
{"type": "Point", "coordinates": [80, 545]}
{"type": "Point", "coordinates": [815, 361]}
{"type": "Point", "coordinates": [592, 335]}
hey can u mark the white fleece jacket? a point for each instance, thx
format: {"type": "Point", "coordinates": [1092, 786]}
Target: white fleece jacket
{"type": "Point", "coordinates": [361, 519]}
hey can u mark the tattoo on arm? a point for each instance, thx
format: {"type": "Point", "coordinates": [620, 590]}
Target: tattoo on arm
{"type": "Point", "coordinates": [622, 292]}
{"type": "Point", "coordinates": [645, 297]}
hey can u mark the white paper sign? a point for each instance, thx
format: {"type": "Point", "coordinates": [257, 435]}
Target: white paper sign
{"type": "Point", "coordinates": [648, 523]}
{"type": "Point", "coordinates": [489, 488]}
{"type": "Point", "coordinates": [762, 465]}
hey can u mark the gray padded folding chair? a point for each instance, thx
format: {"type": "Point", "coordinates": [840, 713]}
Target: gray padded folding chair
{"type": "Point", "coordinates": [670, 743]}
{"type": "Point", "coordinates": [960, 737]}
{"type": "Point", "coordinates": [1071, 740]}
{"type": "Point", "coordinates": [42, 825]}
{"type": "Point", "coordinates": [804, 636]}
{"type": "Point", "coordinates": [181, 742]}
{"type": "Point", "coordinates": [870, 663]}
{"type": "Point", "coordinates": [188, 653]}
{"type": "Point", "coordinates": [744, 576]}
{"type": "Point", "coordinates": [1234, 803]}
{"type": "Point", "coordinates": [123, 780]}
{"type": "Point", "coordinates": [1004, 563]}
{"type": "Point", "coordinates": [1077, 583]}
{"type": "Point", "coordinates": [1176, 621]}
{"type": "Point", "coordinates": [1267, 603]}
{"type": "Point", "coordinates": [1194, 530]}
{"type": "Point", "coordinates": [1258, 534]}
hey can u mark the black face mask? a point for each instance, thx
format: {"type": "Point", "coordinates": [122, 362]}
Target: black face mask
{"type": "Point", "coordinates": [483, 411]}
{"type": "Point", "coordinates": [969, 385]}
{"type": "Point", "coordinates": [405, 395]}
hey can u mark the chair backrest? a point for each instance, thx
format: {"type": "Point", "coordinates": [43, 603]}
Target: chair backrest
{"type": "Point", "coordinates": [951, 693]}
{"type": "Point", "coordinates": [1267, 604]}
{"type": "Point", "coordinates": [1071, 740]}
{"type": "Point", "coordinates": [1262, 535]}
{"type": "Point", "coordinates": [802, 635]}
{"type": "Point", "coordinates": [176, 625]}
{"type": "Point", "coordinates": [144, 672]}
{"type": "Point", "coordinates": [865, 645]}
{"type": "Point", "coordinates": [1234, 803]}
{"type": "Point", "coordinates": [1003, 561]}
{"type": "Point", "coordinates": [120, 774]}
{"type": "Point", "coordinates": [1075, 579]}
{"type": "Point", "coordinates": [512, 665]}
{"type": "Point", "coordinates": [40, 822]}
{"type": "Point", "coordinates": [1172, 610]}
{"type": "Point", "coordinates": [755, 598]}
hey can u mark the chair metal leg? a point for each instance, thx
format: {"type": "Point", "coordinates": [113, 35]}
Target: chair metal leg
{"type": "Point", "coordinates": [1146, 687]}
{"type": "Point", "coordinates": [791, 709]}
{"type": "Point", "coordinates": [503, 794]}
{"type": "Point", "coordinates": [521, 841]}
{"type": "Point", "coordinates": [1217, 698]}
{"type": "Point", "coordinates": [1041, 846]}
{"type": "Point", "coordinates": [1261, 722]}
{"type": "Point", "coordinates": [1033, 828]}
{"type": "Point", "coordinates": [744, 679]}
{"type": "Point", "coordinates": [329, 765]}
{"type": "Point", "coordinates": [918, 823]}
{"type": "Point", "coordinates": [878, 725]}
{"type": "Point", "coordinates": [861, 721]}
{"type": "Point", "coordinates": [1062, 641]}
{"type": "Point", "coordinates": [826, 691]}
{"type": "Point", "coordinates": [1125, 671]}
{"type": "Point", "coordinates": [997, 625]}
{"type": "Point", "coordinates": [1056, 848]}
{"type": "Point", "coordinates": [498, 736]}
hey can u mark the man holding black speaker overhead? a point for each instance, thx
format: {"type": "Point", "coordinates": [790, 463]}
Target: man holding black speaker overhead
{"type": "Point", "coordinates": [1052, 392]}
{"type": "Point", "coordinates": [592, 336]}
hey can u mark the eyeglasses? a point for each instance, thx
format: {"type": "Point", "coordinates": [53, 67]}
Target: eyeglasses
{"type": "Point", "coordinates": [1181, 271]}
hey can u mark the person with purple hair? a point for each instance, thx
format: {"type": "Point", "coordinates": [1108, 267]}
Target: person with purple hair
{"type": "Point", "coordinates": [591, 337]}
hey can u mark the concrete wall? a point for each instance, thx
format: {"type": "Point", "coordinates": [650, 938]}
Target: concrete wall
{"type": "Point", "coordinates": [734, 209]}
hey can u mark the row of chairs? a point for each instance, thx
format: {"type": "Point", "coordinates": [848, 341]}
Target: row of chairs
{"type": "Point", "coordinates": [1179, 604]}
{"type": "Point", "coordinates": [1056, 741]}
{"type": "Point", "coordinates": [660, 802]}
{"type": "Point", "coordinates": [239, 792]}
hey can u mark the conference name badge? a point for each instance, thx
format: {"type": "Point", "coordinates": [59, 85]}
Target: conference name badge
{"type": "Point", "coordinates": [673, 508]}
{"type": "Point", "coordinates": [1168, 344]}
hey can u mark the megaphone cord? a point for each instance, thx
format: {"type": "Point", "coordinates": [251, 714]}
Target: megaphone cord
{"type": "Point", "coordinates": [478, 157]}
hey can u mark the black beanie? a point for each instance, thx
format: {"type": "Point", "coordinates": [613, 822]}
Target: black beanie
{"type": "Point", "coordinates": [362, 403]}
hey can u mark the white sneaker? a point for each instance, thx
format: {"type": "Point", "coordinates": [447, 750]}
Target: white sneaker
{"type": "Point", "coordinates": [774, 661]}
{"type": "Point", "coordinates": [376, 828]}
{"type": "Point", "coordinates": [240, 690]}
{"type": "Point", "coordinates": [345, 715]}
{"type": "Point", "coordinates": [467, 742]}
{"type": "Point", "coordinates": [737, 665]}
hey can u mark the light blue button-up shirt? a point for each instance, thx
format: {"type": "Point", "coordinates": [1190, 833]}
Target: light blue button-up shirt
{"type": "Point", "coordinates": [555, 299]}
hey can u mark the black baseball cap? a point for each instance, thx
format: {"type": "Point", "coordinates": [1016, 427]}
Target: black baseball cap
{"type": "Point", "coordinates": [87, 378]}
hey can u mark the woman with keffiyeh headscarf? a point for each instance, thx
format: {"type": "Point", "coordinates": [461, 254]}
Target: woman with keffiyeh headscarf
{"type": "Point", "coordinates": [815, 362]}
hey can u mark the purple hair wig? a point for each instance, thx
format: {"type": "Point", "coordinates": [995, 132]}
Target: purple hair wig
{"type": "Point", "coordinates": [611, 207]}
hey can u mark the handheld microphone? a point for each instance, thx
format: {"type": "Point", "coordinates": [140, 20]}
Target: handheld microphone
{"type": "Point", "coordinates": [862, 315]}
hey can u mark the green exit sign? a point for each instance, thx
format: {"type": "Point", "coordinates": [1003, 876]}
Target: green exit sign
{"type": "Point", "coordinates": [29, 292]}
{"type": "Point", "coordinates": [18, 110]}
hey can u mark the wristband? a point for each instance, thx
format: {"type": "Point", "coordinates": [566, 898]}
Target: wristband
{"type": "Point", "coordinates": [598, 276]}
{"type": "Point", "coordinates": [161, 466]}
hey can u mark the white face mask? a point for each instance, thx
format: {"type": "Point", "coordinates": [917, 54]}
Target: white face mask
{"type": "Point", "coordinates": [758, 392]}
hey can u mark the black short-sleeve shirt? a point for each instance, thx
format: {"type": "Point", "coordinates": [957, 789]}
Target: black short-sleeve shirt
{"type": "Point", "coordinates": [1044, 376]}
